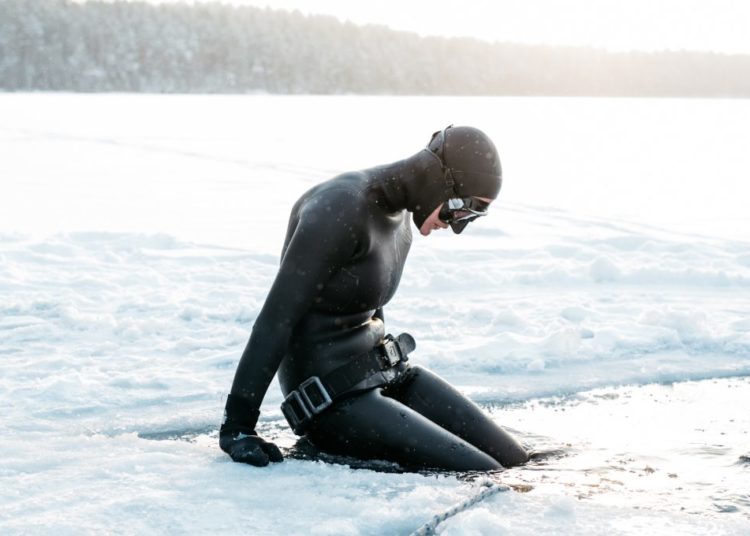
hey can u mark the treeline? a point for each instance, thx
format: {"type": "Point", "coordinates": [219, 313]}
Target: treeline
{"type": "Point", "coordinates": [214, 48]}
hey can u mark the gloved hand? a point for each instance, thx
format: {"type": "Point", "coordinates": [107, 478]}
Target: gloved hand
{"type": "Point", "coordinates": [249, 448]}
{"type": "Point", "coordinates": [237, 435]}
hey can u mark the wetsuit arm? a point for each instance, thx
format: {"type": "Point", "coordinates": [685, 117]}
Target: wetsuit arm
{"type": "Point", "coordinates": [324, 240]}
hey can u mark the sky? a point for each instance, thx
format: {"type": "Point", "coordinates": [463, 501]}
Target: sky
{"type": "Point", "coordinates": [715, 25]}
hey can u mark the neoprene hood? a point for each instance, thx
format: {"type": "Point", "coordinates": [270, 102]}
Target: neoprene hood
{"type": "Point", "coordinates": [470, 167]}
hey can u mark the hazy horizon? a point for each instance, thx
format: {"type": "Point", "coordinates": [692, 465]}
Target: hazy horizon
{"type": "Point", "coordinates": [214, 48]}
{"type": "Point", "coordinates": [638, 25]}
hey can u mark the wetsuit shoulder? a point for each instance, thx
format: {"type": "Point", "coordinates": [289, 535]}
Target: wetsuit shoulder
{"type": "Point", "coordinates": [343, 191]}
{"type": "Point", "coordinates": [324, 234]}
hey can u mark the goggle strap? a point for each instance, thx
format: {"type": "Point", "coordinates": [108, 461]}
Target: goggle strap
{"type": "Point", "coordinates": [450, 183]}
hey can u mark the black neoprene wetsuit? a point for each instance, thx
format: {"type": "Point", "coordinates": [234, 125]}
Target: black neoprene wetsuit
{"type": "Point", "coordinates": [342, 261]}
{"type": "Point", "coordinates": [343, 257]}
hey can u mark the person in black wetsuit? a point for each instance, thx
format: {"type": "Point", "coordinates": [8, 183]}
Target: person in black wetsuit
{"type": "Point", "coordinates": [347, 383]}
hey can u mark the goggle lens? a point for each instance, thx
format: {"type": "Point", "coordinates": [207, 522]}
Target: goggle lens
{"type": "Point", "coordinates": [458, 212]}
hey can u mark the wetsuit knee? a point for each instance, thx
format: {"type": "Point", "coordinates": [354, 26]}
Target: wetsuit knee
{"type": "Point", "coordinates": [430, 395]}
{"type": "Point", "coordinates": [373, 426]}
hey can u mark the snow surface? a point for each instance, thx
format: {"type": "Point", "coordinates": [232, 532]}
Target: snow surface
{"type": "Point", "coordinates": [602, 311]}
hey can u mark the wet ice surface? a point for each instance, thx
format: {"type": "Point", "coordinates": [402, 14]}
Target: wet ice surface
{"type": "Point", "coordinates": [674, 447]}
{"type": "Point", "coordinates": [139, 236]}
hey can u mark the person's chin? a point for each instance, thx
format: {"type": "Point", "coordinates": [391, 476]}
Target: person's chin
{"type": "Point", "coordinates": [423, 230]}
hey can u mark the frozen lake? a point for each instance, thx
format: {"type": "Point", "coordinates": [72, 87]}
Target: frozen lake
{"type": "Point", "coordinates": [608, 322]}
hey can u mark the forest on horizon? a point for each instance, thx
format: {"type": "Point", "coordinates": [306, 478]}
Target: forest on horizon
{"type": "Point", "coordinates": [97, 46]}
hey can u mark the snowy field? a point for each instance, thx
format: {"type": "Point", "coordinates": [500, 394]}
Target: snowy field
{"type": "Point", "coordinates": [602, 312]}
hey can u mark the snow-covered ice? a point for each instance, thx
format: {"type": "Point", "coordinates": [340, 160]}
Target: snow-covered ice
{"type": "Point", "coordinates": [601, 311]}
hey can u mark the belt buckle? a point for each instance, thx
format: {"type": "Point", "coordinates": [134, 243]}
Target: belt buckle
{"type": "Point", "coordinates": [316, 402]}
{"type": "Point", "coordinates": [296, 412]}
{"type": "Point", "coordinates": [302, 404]}
{"type": "Point", "coordinates": [392, 352]}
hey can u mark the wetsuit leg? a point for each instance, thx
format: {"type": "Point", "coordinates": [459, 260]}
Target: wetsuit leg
{"type": "Point", "coordinates": [372, 426]}
{"type": "Point", "coordinates": [428, 394]}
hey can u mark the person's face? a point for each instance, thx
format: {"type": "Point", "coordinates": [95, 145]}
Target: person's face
{"type": "Point", "coordinates": [434, 223]}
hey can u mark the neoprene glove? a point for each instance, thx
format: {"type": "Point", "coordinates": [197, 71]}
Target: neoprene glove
{"type": "Point", "coordinates": [249, 448]}
{"type": "Point", "coordinates": [237, 436]}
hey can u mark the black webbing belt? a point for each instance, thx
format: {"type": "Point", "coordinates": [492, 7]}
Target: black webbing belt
{"type": "Point", "coordinates": [371, 369]}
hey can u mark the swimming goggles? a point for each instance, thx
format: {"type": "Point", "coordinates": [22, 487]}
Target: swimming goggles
{"type": "Point", "coordinates": [459, 212]}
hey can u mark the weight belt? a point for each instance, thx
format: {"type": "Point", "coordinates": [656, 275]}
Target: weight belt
{"type": "Point", "coordinates": [371, 369]}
